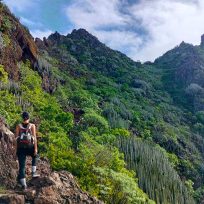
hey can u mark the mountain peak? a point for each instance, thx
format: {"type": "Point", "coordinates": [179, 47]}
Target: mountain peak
{"type": "Point", "coordinates": [202, 41]}
{"type": "Point", "coordinates": [80, 31]}
{"type": "Point", "coordinates": [55, 36]}
{"type": "Point", "coordinates": [183, 43]}
{"type": "Point", "coordinates": [82, 34]}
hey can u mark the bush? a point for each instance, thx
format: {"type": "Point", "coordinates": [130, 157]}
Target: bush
{"type": "Point", "coordinates": [194, 89]}
{"type": "Point", "coordinates": [6, 24]}
{"type": "Point", "coordinates": [200, 116]}
{"type": "Point", "coordinates": [3, 75]}
{"type": "Point", "coordinates": [92, 119]}
{"type": "Point", "coordinates": [59, 150]}
{"type": "Point", "coordinates": [1, 42]}
{"type": "Point", "coordinates": [119, 188]}
{"type": "Point", "coordinates": [6, 40]}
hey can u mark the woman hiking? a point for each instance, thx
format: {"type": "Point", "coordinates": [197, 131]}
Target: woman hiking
{"type": "Point", "coordinates": [26, 146]}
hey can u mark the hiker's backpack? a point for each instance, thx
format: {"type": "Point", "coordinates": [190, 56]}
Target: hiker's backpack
{"type": "Point", "coordinates": [25, 139]}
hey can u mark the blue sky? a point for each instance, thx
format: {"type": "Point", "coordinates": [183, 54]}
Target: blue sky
{"type": "Point", "coordinates": [142, 29]}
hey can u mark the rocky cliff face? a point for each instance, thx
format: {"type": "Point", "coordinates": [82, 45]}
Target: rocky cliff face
{"type": "Point", "coordinates": [16, 43]}
{"type": "Point", "coordinates": [8, 165]}
{"type": "Point", "coordinates": [50, 188]}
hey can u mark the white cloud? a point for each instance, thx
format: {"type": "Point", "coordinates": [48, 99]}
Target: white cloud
{"type": "Point", "coordinates": [166, 22]}
{"type": "Point", "coordinates": [120, 39]}
{"type": "Point", "coordinates": [41, 33]}
{"type": "Point", "coordinates": [94, 14]}
{"type": "Point", "coordinates": [121, 25]}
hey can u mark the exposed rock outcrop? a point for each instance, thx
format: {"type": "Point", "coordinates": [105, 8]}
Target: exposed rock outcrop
{"type": "Point", "coordinates": [18, 44]}
{"type": "Point", "coordinates": [202, 41]}
{"type": "Point", "coordinates": [8, 164]}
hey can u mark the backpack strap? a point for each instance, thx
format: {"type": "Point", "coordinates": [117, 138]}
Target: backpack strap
{"type": "Point", "coordinates": [30, 127]}
{"type": "Point", "coordinates": [25, 139]}
{"type": "Point", "coordinates": [27, 129]}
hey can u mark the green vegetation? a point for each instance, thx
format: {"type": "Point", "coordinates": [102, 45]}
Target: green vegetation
{"type": "Point", "coordinates": [6, 40]}
{"type": "Point", "coordinates": [137, 98]}
{"type": "Point", "coordinates": [3, 75]}
{"type": "Point", "coordinates": [104, 110]}
{"type": "Point", "coordinates": [156, 175]}
{"type": "Point", "coordinates": [2, 190]}
{"type": "Point", "coordinates": [6, 24]}
{"type": "Point", "coordinates": [121, 127]}
{"type": "Point", "coordinates": [88, 163]}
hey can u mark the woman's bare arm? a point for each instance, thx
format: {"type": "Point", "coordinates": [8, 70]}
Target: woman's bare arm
{"type": "Point", "coordinates": [16, 135]}
{"type": "Point", "coordinates": [35, 138]}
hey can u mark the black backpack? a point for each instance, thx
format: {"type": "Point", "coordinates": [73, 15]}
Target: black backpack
{"type": "Point", "coordinates": [25, 139]}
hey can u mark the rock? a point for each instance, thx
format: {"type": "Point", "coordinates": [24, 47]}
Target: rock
{"type": "Point", "coordinates": [59, 187]}
{"type": "Point", "coordinates": [12, 199]}
{"type": "Point", "coordinates": [8, 165]}
{"type": "Point", "coordinates": [55, 37]}
{"type": "Point", "coordinates": [202, 41]}
{"type": "Point", "coordinates": [20, 46]}
{"type": "Point", "coordinates": [40, 44]}
{"type": "Point", "coordinates": [30, 194]}
{"type": "Point", "coordinates": [44, 200]}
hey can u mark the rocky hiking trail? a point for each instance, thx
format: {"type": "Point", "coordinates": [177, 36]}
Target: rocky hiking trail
{"type": "Point", "coordinates": [50, 188]}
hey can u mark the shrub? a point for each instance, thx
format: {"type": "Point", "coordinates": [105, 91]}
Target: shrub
{"type": "Point", "coordinates": [200, 116]}
{"type": "Point", "coordinates": [119, 188]}
{"type": "Point", "coordinates": [1, 41]}
{"type": "Point", "coordinates": [92, 119]}
{"type": "Point", "coordinates": [3, 75]}
{"type": "Point", "coordinates": [6, 40]}
{"type": "Point", "coordinates": [194, 89]}
{"type": "Point", "coordinates": [6, 24]}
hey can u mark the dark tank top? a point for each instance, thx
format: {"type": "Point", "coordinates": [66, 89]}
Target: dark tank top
{"type": "Point", "coordinates": [29, 151]}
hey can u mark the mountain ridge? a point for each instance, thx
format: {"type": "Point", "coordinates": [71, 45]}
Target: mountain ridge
{"type": "Point", "coordinates": [122, 78]}
{"type": "Point", "coordinates": [86, 98]}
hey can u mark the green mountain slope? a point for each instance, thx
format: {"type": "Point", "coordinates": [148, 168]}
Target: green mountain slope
{"type": "Point", "coordinates": [86, 99]}
{"type": "Point", "coordinates": [130, 95]}
{"type": "Point", "coordinates": [183, 74]}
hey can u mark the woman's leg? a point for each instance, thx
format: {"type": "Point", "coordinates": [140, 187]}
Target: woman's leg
{"type": "Point", "coordinates": [34, 164]}
{"type": "Point", "coordinates": [21, 175]}
{"type": "Point", "coordinates": [34, 160]}
{"type": "Point", "coordinates": [21, 162]}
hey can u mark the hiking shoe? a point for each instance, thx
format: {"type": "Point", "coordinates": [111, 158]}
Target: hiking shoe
{"type": "Point", "coordinates": [24, 188]}
{"type": "Point", "coordinates": [35, 175]}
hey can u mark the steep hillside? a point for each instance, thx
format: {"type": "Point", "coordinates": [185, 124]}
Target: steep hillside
{"type": "Point", "coordinates": [121, 127]}
{"type": "Point", "coordinates": [16, 43]}
{"type": "Point", "coordinates": [36, 81]}
{"type": "Point", "coordinates": [129, 95]}
{"type": "Point", "coordinates": [183, 74]}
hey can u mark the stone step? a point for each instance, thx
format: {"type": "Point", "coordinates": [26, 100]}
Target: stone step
{"type": "Point", "coordinates": [12, 199]}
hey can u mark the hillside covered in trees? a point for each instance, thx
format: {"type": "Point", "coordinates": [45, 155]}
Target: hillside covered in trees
{"type": "Point", "coordinates": [129, 132]}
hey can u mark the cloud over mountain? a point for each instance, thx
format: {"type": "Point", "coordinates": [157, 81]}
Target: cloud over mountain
{"type": "Point", "coordinates": [143, 29]}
